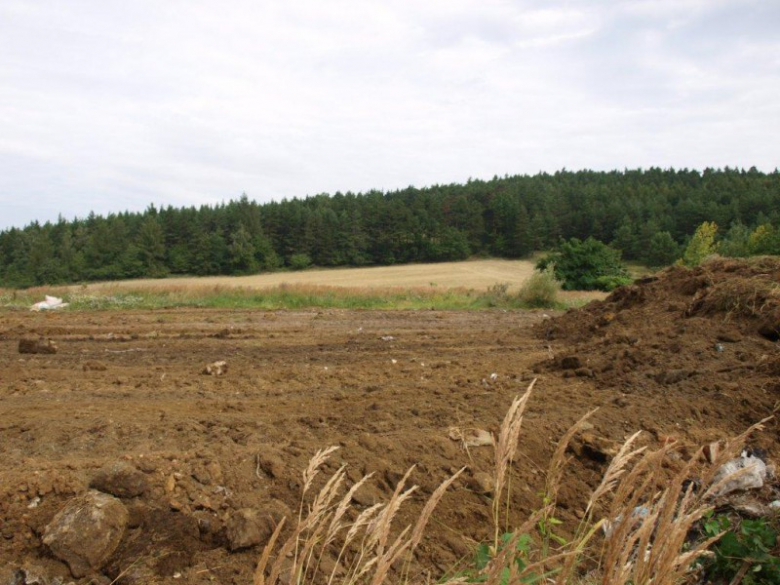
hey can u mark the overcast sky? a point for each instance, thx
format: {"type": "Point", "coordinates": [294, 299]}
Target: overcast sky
{"type": "Point", "coordinates": [112, 105]}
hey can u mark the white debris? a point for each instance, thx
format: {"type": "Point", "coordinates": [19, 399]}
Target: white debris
{"type": "Point", "coordinates": [34, 503]}
{"type": "Point", "coordinates": [49, 304]}
{"type": "Point", "coordinates": [609, 526]}
{"type": "Point", "coordinates": [748, 471]}
{"type": "Point", "coordinates": [215, 369]}
{"type": "Point", "coordinates": [394, 361]}
{"type": "Point", "coordinates": [387, 338]}
{"type": "Point", "coordinates": [470, 437]}
{"type": "Point", "coordinates": [494, 376]}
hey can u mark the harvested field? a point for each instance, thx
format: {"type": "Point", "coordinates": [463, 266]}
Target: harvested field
{"type": "Point", "coordinates": [670, 356]}
{"type": "Point", "coordinates": [476, 274]}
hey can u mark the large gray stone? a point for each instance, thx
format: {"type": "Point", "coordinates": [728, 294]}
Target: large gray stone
{"type": "Point", "coordinates": [86, 531]}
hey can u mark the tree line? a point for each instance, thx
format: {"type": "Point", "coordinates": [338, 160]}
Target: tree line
{"type": "Point", "coordinates": [647, 214]}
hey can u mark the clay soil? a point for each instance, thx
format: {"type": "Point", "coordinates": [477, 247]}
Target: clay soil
{"type": "Point", "coordinates": [676, 357]}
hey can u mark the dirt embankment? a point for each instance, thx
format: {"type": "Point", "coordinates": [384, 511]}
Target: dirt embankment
{"type": "Point", "coordinates": [123, 407]}
{"type": "Point", "coordinates": [689, 351]}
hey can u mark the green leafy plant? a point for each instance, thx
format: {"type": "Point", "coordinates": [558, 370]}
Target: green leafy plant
{"type": "Point", "coordinates": [586, 265]}
{"type": "Point", "coordinates": [746, 553]}
{"type": "Point", "coordinates": [299, 261]}
{"type": "Point", "coordinates": [702, 244]}
{"type": "Point", "coordinates": [516, 547]}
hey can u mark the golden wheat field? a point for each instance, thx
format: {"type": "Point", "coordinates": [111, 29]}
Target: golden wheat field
{"type": "Point", "coordinates": [476, 274]}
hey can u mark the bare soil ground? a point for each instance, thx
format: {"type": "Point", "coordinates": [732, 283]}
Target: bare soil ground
{"type": "Point", "coordinates": [680, 357]}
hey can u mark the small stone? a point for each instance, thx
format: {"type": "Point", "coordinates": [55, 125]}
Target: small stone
{"type": "Point", "coordinates": [248, 527]}
{"type": "Point", "coordinates": [593, 447]}
{"type": "Point", "coordinates": [571, 362]}
{"type": "Point", "coordinates": [86, 531]}
{"type": "Point", "coordinates": [482, 483]}
{"type": "Point", "coordinates": [120, 479]}
{"type": "Point", "coordinates": [46, 346]}
{"type": "Point", "coordinates": [94, 366]}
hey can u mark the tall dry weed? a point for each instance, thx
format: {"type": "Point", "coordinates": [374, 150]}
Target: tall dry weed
{"type": "Point", "coordinates": [646, 522]}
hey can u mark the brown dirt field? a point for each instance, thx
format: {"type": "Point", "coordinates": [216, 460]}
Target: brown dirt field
{"type": "Point", "coordinates": [127, 386]}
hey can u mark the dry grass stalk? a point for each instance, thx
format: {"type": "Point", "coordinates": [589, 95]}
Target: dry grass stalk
{"type": "Point", "coordinates": [505, 450]}
{"type": "Point", "coordinates": [319, 527]}
{"type": "Point", "coordinates": [645, 545]}
{"type": "Point", "coordinates": [616, 469]}
{"type": "Point", "coordinates": [558, 461]}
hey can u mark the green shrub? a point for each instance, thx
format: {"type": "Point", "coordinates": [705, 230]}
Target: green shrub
{"type": "Point", "coordinates": [587, 265]}
{"type": "Point", "coordinates": [299, 261]}
{"type": "Point", "coordinates": [496, 294]}
{"type": "Point", "coordinates": [702, 244]}
{"type": "Point", "coordinates": [540, 290]}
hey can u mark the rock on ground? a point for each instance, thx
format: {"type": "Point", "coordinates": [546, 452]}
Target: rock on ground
{"type": "Point", "coordinates": [37, 346]}
{"type": "Point", "coordinates": [120, 479]}
{"type": "Point", "coordinates": [248, 527]}
{"type": "Point", "coordinates": [86, 531]}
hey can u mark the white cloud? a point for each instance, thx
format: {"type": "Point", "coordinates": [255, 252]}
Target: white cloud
{"type": "Point", "coordinates": [112, 105]}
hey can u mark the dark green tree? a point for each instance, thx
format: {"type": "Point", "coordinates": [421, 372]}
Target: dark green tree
{"type": "Point", "coordinates": [586, 265]}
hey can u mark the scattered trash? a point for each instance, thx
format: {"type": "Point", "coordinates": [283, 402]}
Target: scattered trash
{"type": "Point", "coordinates": [748, 471]}
{"type": "Point", "coordinates": [387, 338]}
{"type": "Point", "coordinates": [34, 503]}
{"type": "Point", "coordinates": [719, 347]}
{"type": "Point", "coordinates": [751, 509]}
{"type": "Point", "coordinates": [393, 361]}
{"type": "Point", "coordinates": [775, 505]}
{"type": "Point", "coordinates": [471, 437]}
{"type": "Point", "coordinates": [494, 376]}
{"type": "Point", "coordinates": [609, 526]}
{"type": "Point", "coordinates": [49, 304]}
{"type": "Point", "coordinates": [37, 346]}
{"type": "Point", "coordinates": [215, 369]}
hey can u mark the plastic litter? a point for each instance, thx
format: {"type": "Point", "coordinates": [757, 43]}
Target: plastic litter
{"type": "Point", "coordinates": [471, 437]}
{"type": "Point", "coordinates": [749, 473]}
{"type": "Point", "coordinates": [609, 526]}
{"type": "Point", "coordinates": [49, 304]}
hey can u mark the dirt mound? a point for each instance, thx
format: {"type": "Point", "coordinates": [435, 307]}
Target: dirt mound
{"type": "Point", "coordinates": [203, 463]}
{"type": "Point", "coordinates": [699, 343]}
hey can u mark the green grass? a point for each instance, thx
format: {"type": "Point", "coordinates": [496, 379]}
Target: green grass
{"type": "Point", "coordinates": [280, 297]}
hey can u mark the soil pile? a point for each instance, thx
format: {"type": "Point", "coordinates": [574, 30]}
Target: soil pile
{"type": "Point", "coordinates": [196, 469]}
{"type": "Point", "coordinates": [697, 345]}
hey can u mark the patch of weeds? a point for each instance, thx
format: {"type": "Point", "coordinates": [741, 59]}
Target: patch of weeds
{"type": "Point", "coordinates": [541, 289]}
{"type": "Point", "coordinates": [513, 547]}
{"type": "Point", "coordinates": [747, 553]}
